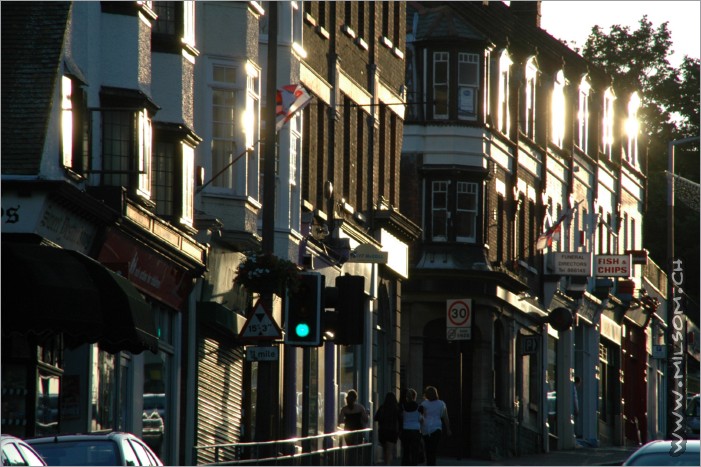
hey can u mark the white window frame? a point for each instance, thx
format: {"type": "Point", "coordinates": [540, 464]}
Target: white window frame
{"type": "Point", "coordinates": [252, 126]}
{"type": "Point", "coordinates": [439, 186]}
{"type": "Point", "coordinates": [188, 185]}
{"type": "Point", "coordinates": [583, 116]}
{"type": "Point", "coordinates": [558, 109]}
{"type": "Point", "coordinates": [607, 123]}
{"type": "Point", "coordinates": [632, 129]}
{"type": "Point", "coordinates": [189, 23]}
{"type": "Point", "coordinates": [145, 139]}
{"type": "Point", "coordinates": [503, 113]}
{"type": "Point", "coordinates": [467, 188]}
{"type": "Point", "coordinates": [468, 86]}
{"type": "Point", "coordinates": [530, 101]}
{"type": "Point", "coordinates": [227, 181]}
{"type": "Point", "coordinates": [441, 57]}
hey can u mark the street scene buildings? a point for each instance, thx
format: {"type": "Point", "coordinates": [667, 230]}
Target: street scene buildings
{"type": "Point", "coordinates": [465, 191]}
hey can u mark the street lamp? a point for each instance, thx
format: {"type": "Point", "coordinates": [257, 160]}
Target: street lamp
{"type": "Point", "coordinates": [676, 324]}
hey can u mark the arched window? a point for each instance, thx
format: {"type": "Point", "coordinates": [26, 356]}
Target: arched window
{"type": "Point", "coordinates": [582, 140]}
{"type": "Point", "coordinates": [503, 116]}
{"type": "Point", "coordinates": [558, 110]}
{"type": "Point", "coordinates": [632, 129]}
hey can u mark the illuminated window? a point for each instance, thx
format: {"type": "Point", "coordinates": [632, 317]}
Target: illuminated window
{"type": "Point", "coordinates": [632, 128]}
{"type": "Point", "coordinates": [607, 123]}
{"type": "Point", "coordinates": [503, 117]}
{"type": "Point", "coordinates": [74, 126]}
{"type": "Point", "coordinates": [224, 142]}
{"type": "Point", "coordinates": [583, 116]}
{"type": "Point", "coordinates": [440, 84]}
{"type": "Point", "coordinates": [558, 110]}
{"type": "Point", "coordinates": [530, 88]}
{"type": "Point", "coordinates": [144, 154]}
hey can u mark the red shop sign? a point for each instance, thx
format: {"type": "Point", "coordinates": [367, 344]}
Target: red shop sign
{"type": "Point", "coordinates": [149, 272]}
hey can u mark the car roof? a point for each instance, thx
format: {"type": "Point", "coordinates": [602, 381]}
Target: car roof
{"type": "Point", "coordinates": [112, 436]}
{"type": "Point", "coordinates": [665, 445]}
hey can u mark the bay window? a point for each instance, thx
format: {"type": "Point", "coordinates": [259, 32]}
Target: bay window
{"type": "Point", "coordinates": [74, 126]}
{"type": "Point", "coordinates": [454, 210]}
{"type": "Point", "coordinates": [441, 69]}
{"type": "Point", "coordinates": [468, 84]}
{"type": "Point", "coordinates": [224, 92]}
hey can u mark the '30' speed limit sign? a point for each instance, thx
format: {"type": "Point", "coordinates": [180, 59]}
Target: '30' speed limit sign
{"type": "Point", "coordinates": [458, 319]}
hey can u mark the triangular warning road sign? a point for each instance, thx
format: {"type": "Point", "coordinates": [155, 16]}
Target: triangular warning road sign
{"type": "Point", "coordinates": [260, 325]}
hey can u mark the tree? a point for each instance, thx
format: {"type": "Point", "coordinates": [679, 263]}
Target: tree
{"type": "Point", "coordinates": [639, 60]}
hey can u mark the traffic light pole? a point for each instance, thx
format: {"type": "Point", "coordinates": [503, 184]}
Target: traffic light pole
{"type": "Point", "coordinates": [268, 395]}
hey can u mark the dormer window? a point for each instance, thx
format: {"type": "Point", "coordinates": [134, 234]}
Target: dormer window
{"type": "Point", "coordinates": [607, 123]}
{"type": "Point", "coordinates": [558, 110]}
{"type": "Point", "coordinates": [632, 129]}
{"type": "Point", "coordinates": [583, 116]}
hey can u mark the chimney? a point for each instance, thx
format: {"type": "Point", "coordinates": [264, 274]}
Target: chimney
{"type": "Point", "coordinates": [528, 12]}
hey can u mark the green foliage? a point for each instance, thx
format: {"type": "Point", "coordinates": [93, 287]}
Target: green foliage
{"type": "Point", "coordinates": [638, 60]}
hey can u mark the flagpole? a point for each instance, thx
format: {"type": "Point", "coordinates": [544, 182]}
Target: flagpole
{"type": "Point", "coordinates": [214, 177]}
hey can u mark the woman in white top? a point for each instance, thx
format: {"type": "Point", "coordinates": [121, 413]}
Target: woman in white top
{"type": "Point", "coordinates": [412, 453]}
{"type": "Point", "coordinates": [435, 416]}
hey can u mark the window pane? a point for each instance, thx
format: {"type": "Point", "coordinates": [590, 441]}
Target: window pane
{"type": "Point", "coordinates": [466, 211]}
{"type": "Point", "coordinates": [116, 149]}
{"type": "Point", "coordinates": [439, 225]}
{"type": "Point", "coordinates": [163, 177]}
{"type": "Point", "coordinates": [440, 83]}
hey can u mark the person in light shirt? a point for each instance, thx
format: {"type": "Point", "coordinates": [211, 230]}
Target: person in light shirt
{"type": "Point", "coordinates": [435, 419]}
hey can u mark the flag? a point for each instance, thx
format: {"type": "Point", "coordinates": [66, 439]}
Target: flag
{"type": "Point", "coordinates": [289, 100]}
{"type": "Point", "coordinates": [553, 232]}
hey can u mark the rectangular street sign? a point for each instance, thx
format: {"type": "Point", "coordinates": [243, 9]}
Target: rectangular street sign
{"type": "Point", "coordinates": [262, 354]}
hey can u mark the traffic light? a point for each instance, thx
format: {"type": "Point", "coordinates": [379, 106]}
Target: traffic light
{"type": "Point", "coordinates": [350, 310]}
{"type": "Point", "coordinates": [303, 311]}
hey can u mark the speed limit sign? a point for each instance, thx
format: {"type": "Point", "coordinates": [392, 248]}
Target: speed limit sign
{"type": "Point", "coordinates": [459, 319]}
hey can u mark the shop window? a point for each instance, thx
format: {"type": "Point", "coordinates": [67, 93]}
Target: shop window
{"type": "Point", "coordinates": [47, 398]}
{"type": "Point", "coordinates": [103, 399]}
{"type": "Point", "coordinates": [551, 384]}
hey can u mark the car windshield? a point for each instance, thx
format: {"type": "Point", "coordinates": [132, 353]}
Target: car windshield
{"type": "Point", "coordinates": [88, 452]}
{"type": "Point", "coordinates": [663, 458]}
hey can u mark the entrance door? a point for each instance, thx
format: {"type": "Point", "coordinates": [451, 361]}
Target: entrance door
{"type": "Point", "coordinates": [441, 363]}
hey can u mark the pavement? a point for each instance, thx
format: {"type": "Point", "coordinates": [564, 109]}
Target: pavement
{"type": "Point", "coordinates": [580, 455]}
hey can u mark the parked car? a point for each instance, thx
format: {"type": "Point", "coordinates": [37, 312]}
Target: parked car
{"type": "Point", "coordinates": [113, 448]}
{"type": "Point", "coordinates": [659, 452]}
{"type": "Point", "coordinates": [17, 452]}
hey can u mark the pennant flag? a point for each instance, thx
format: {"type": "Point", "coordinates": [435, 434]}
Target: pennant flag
{"type": "Point", "coordinates": [289, 100]}
{"type": "Point", "coordinates": [553, 232]}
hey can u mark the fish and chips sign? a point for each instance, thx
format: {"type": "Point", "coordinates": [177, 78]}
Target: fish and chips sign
{"type": "Point", "coordinates": [586, 264]}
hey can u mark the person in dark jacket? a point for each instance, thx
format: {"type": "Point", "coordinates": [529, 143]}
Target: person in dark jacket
{"type": "Point", "coordinates": [354, 417]}
{"type": "Point", "coordinates": [388, 418]}
{"type": "Point", "coordinates": [412, 444]}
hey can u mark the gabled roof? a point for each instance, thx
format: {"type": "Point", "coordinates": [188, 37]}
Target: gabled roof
{"type": "Point", "coordinates": [496, 23]}
{"type": "Point", "coordinates": [32, 41]}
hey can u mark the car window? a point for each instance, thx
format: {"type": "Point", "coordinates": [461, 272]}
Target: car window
{"type": "Point", "coordinates": [141, 452]}
{"type": "Point", "coordinates": [130, 457]}
{"type": "Point", "coordinates": [153, 458]}
{"type": "Point", "coordinates": [30, 456]}
{"type": "Point", "coordinates": [87, 452]}
{"type": "Point", "coordinates": [11, 455]}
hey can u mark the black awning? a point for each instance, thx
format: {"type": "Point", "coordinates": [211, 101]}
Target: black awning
{"type": "Point", "coordinates": [47, 290]}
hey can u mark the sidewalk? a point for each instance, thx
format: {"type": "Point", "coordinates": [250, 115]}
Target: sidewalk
{"type": "Point", "coordinates": [579, 456]}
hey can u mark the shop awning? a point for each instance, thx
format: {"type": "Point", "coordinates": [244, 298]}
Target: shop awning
{"type": "Point", "coordinates": [47, 290]}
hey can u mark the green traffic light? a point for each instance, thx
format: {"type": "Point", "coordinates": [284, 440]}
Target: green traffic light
{"type": "Point", "coordinates": [302, 330]}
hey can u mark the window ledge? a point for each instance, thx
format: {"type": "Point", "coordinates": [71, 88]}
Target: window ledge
{"type": "Point", "coordinates": [348, 31]}
{"type": "Point", "coordinates": [361, 43]}
{"type": "Point", "coordinates": [323, 32]}
{"type": "Point", "coordinates": [386, 42]}
{"type": "Point", "coordinates": [256, 7]}
{"type": "Point", "coordinates": [398, 53]}
{"type": "Point", "coordinates": [309, 19]}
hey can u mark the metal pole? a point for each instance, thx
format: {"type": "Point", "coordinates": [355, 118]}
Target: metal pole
{"type": "Point", "coordinates": [672, 389]}
{"type": "Point", "coordinates": [267, 403]}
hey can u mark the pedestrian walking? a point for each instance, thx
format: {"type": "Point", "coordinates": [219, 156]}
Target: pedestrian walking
{"type": "Point", "coordinates": [435, 420]}
{"type": "Point", "coordinates": [412, 444]}
{"type": "Point", "coordinates": [354, 416]}
{"type": "Point", "coordinates": [388, 418]}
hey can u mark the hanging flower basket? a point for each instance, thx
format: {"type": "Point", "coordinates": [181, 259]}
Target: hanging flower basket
{"type": "Point", "coordinates": [264, 272]}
